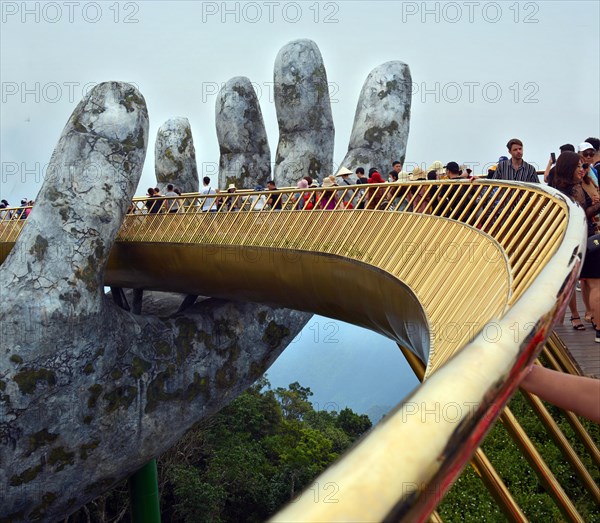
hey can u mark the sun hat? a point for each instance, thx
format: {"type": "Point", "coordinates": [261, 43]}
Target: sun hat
{"type": "Point", "coordinates": [329, 182]}
{"type": "Point", "coordinates": [343, 172]}
{"type": "Point", "coordinates": [420, 174]}
{"type": "Point", "coordinates": [436, 166]}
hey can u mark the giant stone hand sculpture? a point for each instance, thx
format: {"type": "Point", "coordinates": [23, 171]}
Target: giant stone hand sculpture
{"type": "Point", "coordinates": [89, 392]}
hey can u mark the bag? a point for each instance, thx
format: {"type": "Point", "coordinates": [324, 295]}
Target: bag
{"type": "Point", "coordinates": [593, 243]}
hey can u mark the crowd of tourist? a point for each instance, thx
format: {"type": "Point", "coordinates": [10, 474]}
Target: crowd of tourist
{"type": "Point", "coordinates": [21, 213]}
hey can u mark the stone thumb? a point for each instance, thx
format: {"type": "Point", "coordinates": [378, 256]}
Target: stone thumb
{"type": "Point", "coordinates": [94, 170]}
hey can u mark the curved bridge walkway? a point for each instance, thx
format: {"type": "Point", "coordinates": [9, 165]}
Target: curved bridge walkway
{"type": "Point", "coordinates": [479, 270]}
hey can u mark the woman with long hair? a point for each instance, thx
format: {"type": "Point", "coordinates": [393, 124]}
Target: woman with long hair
{"type": "Point", "coordinates": [568, 178]}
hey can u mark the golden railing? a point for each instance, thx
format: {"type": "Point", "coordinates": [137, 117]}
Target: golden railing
{"type": "Point", "coordinates": [495, 238]}
{"type": "Point", "coordinates": [463, 255]}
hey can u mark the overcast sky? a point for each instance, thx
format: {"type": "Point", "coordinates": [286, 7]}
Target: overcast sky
{"type": "Point", "coordinates": [483, 72]}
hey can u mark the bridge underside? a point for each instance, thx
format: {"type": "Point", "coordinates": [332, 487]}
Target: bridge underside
{"type": "Point", "coordinates": [324, 284]}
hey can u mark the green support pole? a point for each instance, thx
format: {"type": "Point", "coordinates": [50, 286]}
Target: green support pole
{"type": "Point", "coordinates": [143, 494]}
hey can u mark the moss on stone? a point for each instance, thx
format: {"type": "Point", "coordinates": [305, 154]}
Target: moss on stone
{"type": "Point", "coordinates": [39, 248]}
{"type": "Point", "coordinates": [375, 134]}
{"type": "Point", "coordinates": [64, 214]}
{"type": "Point", "coordinates": [87, 447]}
{"type": "Point", "coordinates": [197, 387]}
{"type": "Point", "coordinates": [99, 352]}
{"type": "Point", "coordinates": [116, 374]}
{"type": "Point", "coordinates": [87, 419]}
{"type": "Point", "coordinates": [262, 317]}
{"type": "Point", "coordinates": [314, 167]}
{"type": "Point", "coordinates": [40, 439]}
{"type": "Point", "coordinates": [79, 127]}
{"type": "Point", "coordinates": [139, 366]}
{"type": "Point", "coordinates": [26, 476]}
{"type": "Point", "coordinates": [39, 511]}
{"type": "Point", "coordinates": [274, 334]}
{"type": "Point", "coordinates": [95, 391]}
{"type": "Point", "coordinates": [256, 370]}
{"type": "Point", "coordinates": [162, 348]}
{"type": "Point", "coordinates": [2, 385]}
{"type": "Point", "coordinates": [319, 78]}
{"type": "Point", "coordinates": [390, 85]}
{"type": "Point", "coordinates": [227, 375]}
{"type": "Point", "coordinates": [131, 100]}
{"type": "Point", "coordinates": [290, 94]}
{"type": "Point", "coordinates": [61, 458]}
{"type": "Point", "coordinates": [186, 142]}
{"type": "Point", "coordinates": [157, 394]}
{"type": "Point", "coordinates": [88, 369]}
{"type": "Point", "coordinates": [206, 339]}
{"type": "Point", "coordinates": [184, 343]}
{"type": "Point", "coordinates": [28, 378]}
{"type": "Point", "coordinates": [178, 163]}
{"type": "Point", "coordinates": [120, 397]}
{"type": "Point", "coordinates": [88, 274]}
{"type": "Point", "coordinates": [15, 358]}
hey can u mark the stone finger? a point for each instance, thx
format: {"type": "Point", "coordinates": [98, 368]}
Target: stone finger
{"type": "Point", "coordinates": [306, 130]}
{"type": "Point", "coordinates": [175, 156]}
{"type": "Point", "coordinates": [59, 259]}
{"type": "Point", "coordinates": [382, 119]}
{"type": "Point", "coordinates": [245, 157]}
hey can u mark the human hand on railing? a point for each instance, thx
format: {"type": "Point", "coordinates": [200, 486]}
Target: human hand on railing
{"type": "Point", "coordinates": [88, 391]}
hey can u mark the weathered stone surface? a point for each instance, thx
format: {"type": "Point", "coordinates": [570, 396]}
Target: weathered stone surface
{"type": "Point", "coordinates": [306, 131]}
{"type": "Point", "coordinates": [245, 155]}
{"type": "Point", "coordinates": [382, 119]}
{"type": "Point", "coordinates": [89, 392]}
{"type": "Point", "coordinates": [175, 156]}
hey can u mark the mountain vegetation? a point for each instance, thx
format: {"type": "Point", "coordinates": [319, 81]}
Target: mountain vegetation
{"type": "Point", "coordinates": [269, 445]}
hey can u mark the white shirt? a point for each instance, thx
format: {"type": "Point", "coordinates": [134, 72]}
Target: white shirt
{"type": "Point", "coordinates": [209, 203]}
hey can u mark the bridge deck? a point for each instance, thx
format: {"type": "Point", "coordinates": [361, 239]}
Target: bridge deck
{"type": "Point", "coordinates": [580, 344]}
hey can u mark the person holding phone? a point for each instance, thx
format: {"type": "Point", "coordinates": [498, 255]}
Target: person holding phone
{"type": "Point", "coordinates": [549, 172]}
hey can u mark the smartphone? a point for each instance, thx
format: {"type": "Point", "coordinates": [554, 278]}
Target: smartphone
{"type": "Point", "coordinates": [553, 156]}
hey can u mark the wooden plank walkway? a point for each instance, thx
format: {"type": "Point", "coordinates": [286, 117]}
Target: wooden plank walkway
{"type": "Point", "coordinates": [581, 344]}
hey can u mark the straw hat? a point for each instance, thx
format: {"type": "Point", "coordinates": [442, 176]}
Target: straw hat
{"type": "Point", "coordinates": [343, 172]}
{"type": "Point", "coordinates": [231, 186]}
{"type": "Point", "coordinates": [438, 167]}
{"type": "Point", "coordinates": [418, 174]}
{"type": "Point", "coordinates": [329, 182]}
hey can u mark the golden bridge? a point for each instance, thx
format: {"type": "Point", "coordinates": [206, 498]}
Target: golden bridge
{"type": "Point", "coordinates": [467, 277]}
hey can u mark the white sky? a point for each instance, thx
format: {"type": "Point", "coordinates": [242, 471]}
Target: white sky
{"type": "Point", "coordinates": [474, 66]}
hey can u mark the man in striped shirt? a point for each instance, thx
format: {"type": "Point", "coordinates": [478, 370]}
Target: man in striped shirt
{"type": "Point", "coordinates": [516, 168]}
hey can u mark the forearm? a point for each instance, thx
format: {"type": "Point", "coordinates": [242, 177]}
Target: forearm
{"type": "Point", "coordinates": [547, 171]}
{"type": "Point", "coordinates": [578, 394]}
